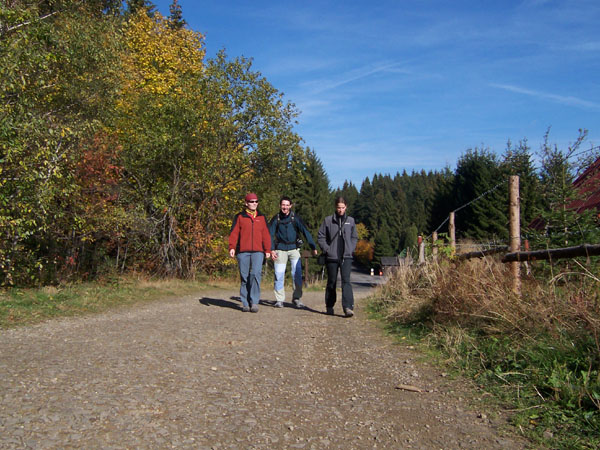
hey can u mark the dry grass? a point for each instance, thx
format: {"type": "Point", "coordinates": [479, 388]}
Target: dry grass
{"type": "Point", "coordinates": [538, 352]}
{"type": "Point", "coordinates": [478, 294]}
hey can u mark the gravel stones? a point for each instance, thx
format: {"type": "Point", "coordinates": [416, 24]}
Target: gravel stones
{"type": "Point", "coordinates": [196, 373]}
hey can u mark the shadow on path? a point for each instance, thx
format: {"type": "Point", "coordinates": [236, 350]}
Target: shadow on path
{"type": "Point", "coordinates": [234, 303]}
{"type": "Point", "coordinates": [271, 303]}
{"type": "Point", "coordinates": [368, 284]}
{"type": "Point", "coordinates": [207, 301]}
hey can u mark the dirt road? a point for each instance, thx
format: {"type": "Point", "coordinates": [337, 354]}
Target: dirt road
{"type": "Point", "coordinates": [196, 372]}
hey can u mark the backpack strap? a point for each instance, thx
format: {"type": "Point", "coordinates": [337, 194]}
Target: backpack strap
{"type": "Point", "coordinates": [293, 220]}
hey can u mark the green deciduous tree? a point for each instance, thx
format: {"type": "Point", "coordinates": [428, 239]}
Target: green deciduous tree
{"type": "Point", "coordinates": [196, 137]}
{"type": "Point", "coordinates": [119, 143]}
{"type": "Point", "coordinates": [50, 104]}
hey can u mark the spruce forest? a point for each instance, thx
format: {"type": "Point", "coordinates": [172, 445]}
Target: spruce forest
{"type": "Point", "coordinates": [124, 148]}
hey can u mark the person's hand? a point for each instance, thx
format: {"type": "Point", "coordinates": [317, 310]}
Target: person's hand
{"type": "Point", "coordinates": [314, 252]}
{"type": "Point", "coordinates": [274, 255]}
{"type": "Point", "coordinates": [232, 253]}
{"type": "Point", "coordinates": [268, 255]}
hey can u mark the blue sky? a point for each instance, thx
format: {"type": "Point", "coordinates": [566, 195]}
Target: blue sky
{"type": "Point", "coordinates": [385, 86]}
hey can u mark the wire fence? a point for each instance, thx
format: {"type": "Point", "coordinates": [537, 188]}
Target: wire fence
{"type": "Point", "coordinates": [467, 249]}
{"type": "Point", "coordinates": [572, 156]}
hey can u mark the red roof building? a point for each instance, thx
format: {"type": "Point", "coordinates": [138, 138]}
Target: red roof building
{"type": "Point", "coordinates": [588, 185]}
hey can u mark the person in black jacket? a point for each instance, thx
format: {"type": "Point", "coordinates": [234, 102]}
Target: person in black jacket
{"type": "Point", "coordinates": [286, 230]}
{"type": "Point", "coordinates": [337, 238]}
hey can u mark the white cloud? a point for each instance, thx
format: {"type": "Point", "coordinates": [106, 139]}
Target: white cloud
{"type": "Point", "coordinates": [320, 86]}
{"type": "Point", "coordinates": [565, 100]}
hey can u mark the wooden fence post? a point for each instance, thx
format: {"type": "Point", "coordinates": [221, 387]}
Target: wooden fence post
{"type": "Point", "coordinates": [434, 249]}
{"type": "Point", "coordinates": [452, 232]}
{"type": "Point", "coordinates": [421, 250]}
{"type": "Point", "coordinates": [515, 231]}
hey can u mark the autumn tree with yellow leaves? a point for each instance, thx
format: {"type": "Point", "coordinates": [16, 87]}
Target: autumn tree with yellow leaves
{"type": "Point", "coordinates": [196, 135]}
{"type": "Point", "coordinates": [121, 147]}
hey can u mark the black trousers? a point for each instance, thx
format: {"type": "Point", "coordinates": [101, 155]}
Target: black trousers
{"type": "Point", "coordinates": [330, 292]}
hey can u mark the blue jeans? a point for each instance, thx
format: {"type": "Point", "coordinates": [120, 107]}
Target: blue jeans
{"type": "Point", "coordinates": [296, 271]}
{"type": "Point", "coordinates": [347, 295]}
{"type": "Point", "coordinates": [250, 265]}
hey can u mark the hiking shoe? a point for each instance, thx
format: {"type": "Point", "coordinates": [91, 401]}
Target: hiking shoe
{"type": "Point", "coordinates": [245, 309]}
{"type": "Point", "coordinates": [330, 311]}
{"type": "Point", "coordinates": [348, 312]}
{"type": "Point", "coordinates": [278, 305]}
{"type": "Point", "coordinates": [254, 308]}
{"type": "Point", "coordinates": [297, 303]}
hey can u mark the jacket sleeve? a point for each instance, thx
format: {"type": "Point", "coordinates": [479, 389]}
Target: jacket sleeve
{"type": "Point", "coordinates": [304, 230]}
{"type": "Point", "coordinates": [266, 238]}
{"type": "Point", "coordinates": [272, 230]}
{"type": "Point", "coordinates": [322, 236]}
{"type": "Point", "coordinates": [353, 235]}
{"type": "Point", "coordinates": [234, 234]}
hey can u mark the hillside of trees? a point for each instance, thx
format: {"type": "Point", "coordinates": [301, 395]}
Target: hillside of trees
{"type": "Point", "coordinates": [124, 148]}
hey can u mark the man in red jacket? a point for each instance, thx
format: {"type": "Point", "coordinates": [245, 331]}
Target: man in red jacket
{"type": "Point", "coordinates": [250, 240]}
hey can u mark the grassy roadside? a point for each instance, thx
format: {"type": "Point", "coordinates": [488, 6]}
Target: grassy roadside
{"type": "Point", "coordinates": [537, 355]}
{"type": "Point", "coordinates": [30, 306]}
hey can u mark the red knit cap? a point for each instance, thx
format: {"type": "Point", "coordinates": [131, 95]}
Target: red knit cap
{"type": "Point", "coordinates": [251, 196]}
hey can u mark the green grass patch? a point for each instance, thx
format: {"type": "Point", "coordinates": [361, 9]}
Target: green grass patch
{"type": "Point", "coordinates": [550, 384]}
{"type": "Point", "coordinates": [29, 306]}
{"type": "Point", "coordinates": [411, 334]}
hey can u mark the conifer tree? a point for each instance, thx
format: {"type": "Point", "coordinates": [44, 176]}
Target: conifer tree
{"type": "Point", "coordinates": [518, 161]}
{"type": "Point", "coordinates": [350, 194]}
{"type": "Point", "coordinates": [310, 191]}
{"type": "Point", "coordinates": [442, 201]}
{"type": "Point", "coordinates": [176, 19]}
{"type": "Point", "coordinates": [563, 224]}
{"type": "Point", "coordinates": [478, 178]}
{"type": "Point", "coordinates": [383, 246]}
{"type": "Point", "coordinates": [409, 239]}
{"type": "Point", "coordinates": [364, 210]}
{"type": "Point", "coordinates": [134, 5]}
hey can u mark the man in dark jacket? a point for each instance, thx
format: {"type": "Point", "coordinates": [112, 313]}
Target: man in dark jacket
{"type": "Point", "coordinates": [337, 238]}
{"type": "Point", "coordinates": [249, 238]}
{"type": "Point", "coordinates": [286, 229]}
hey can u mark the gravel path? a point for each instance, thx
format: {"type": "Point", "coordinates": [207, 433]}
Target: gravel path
{"type": "Point", "coordinates": [196, 372]}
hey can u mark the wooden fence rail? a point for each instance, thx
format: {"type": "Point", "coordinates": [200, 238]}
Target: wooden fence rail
{"type": "Point", "coordinates": [481, 253]}
{"type": "Point", "coordinates": [554, 253]}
